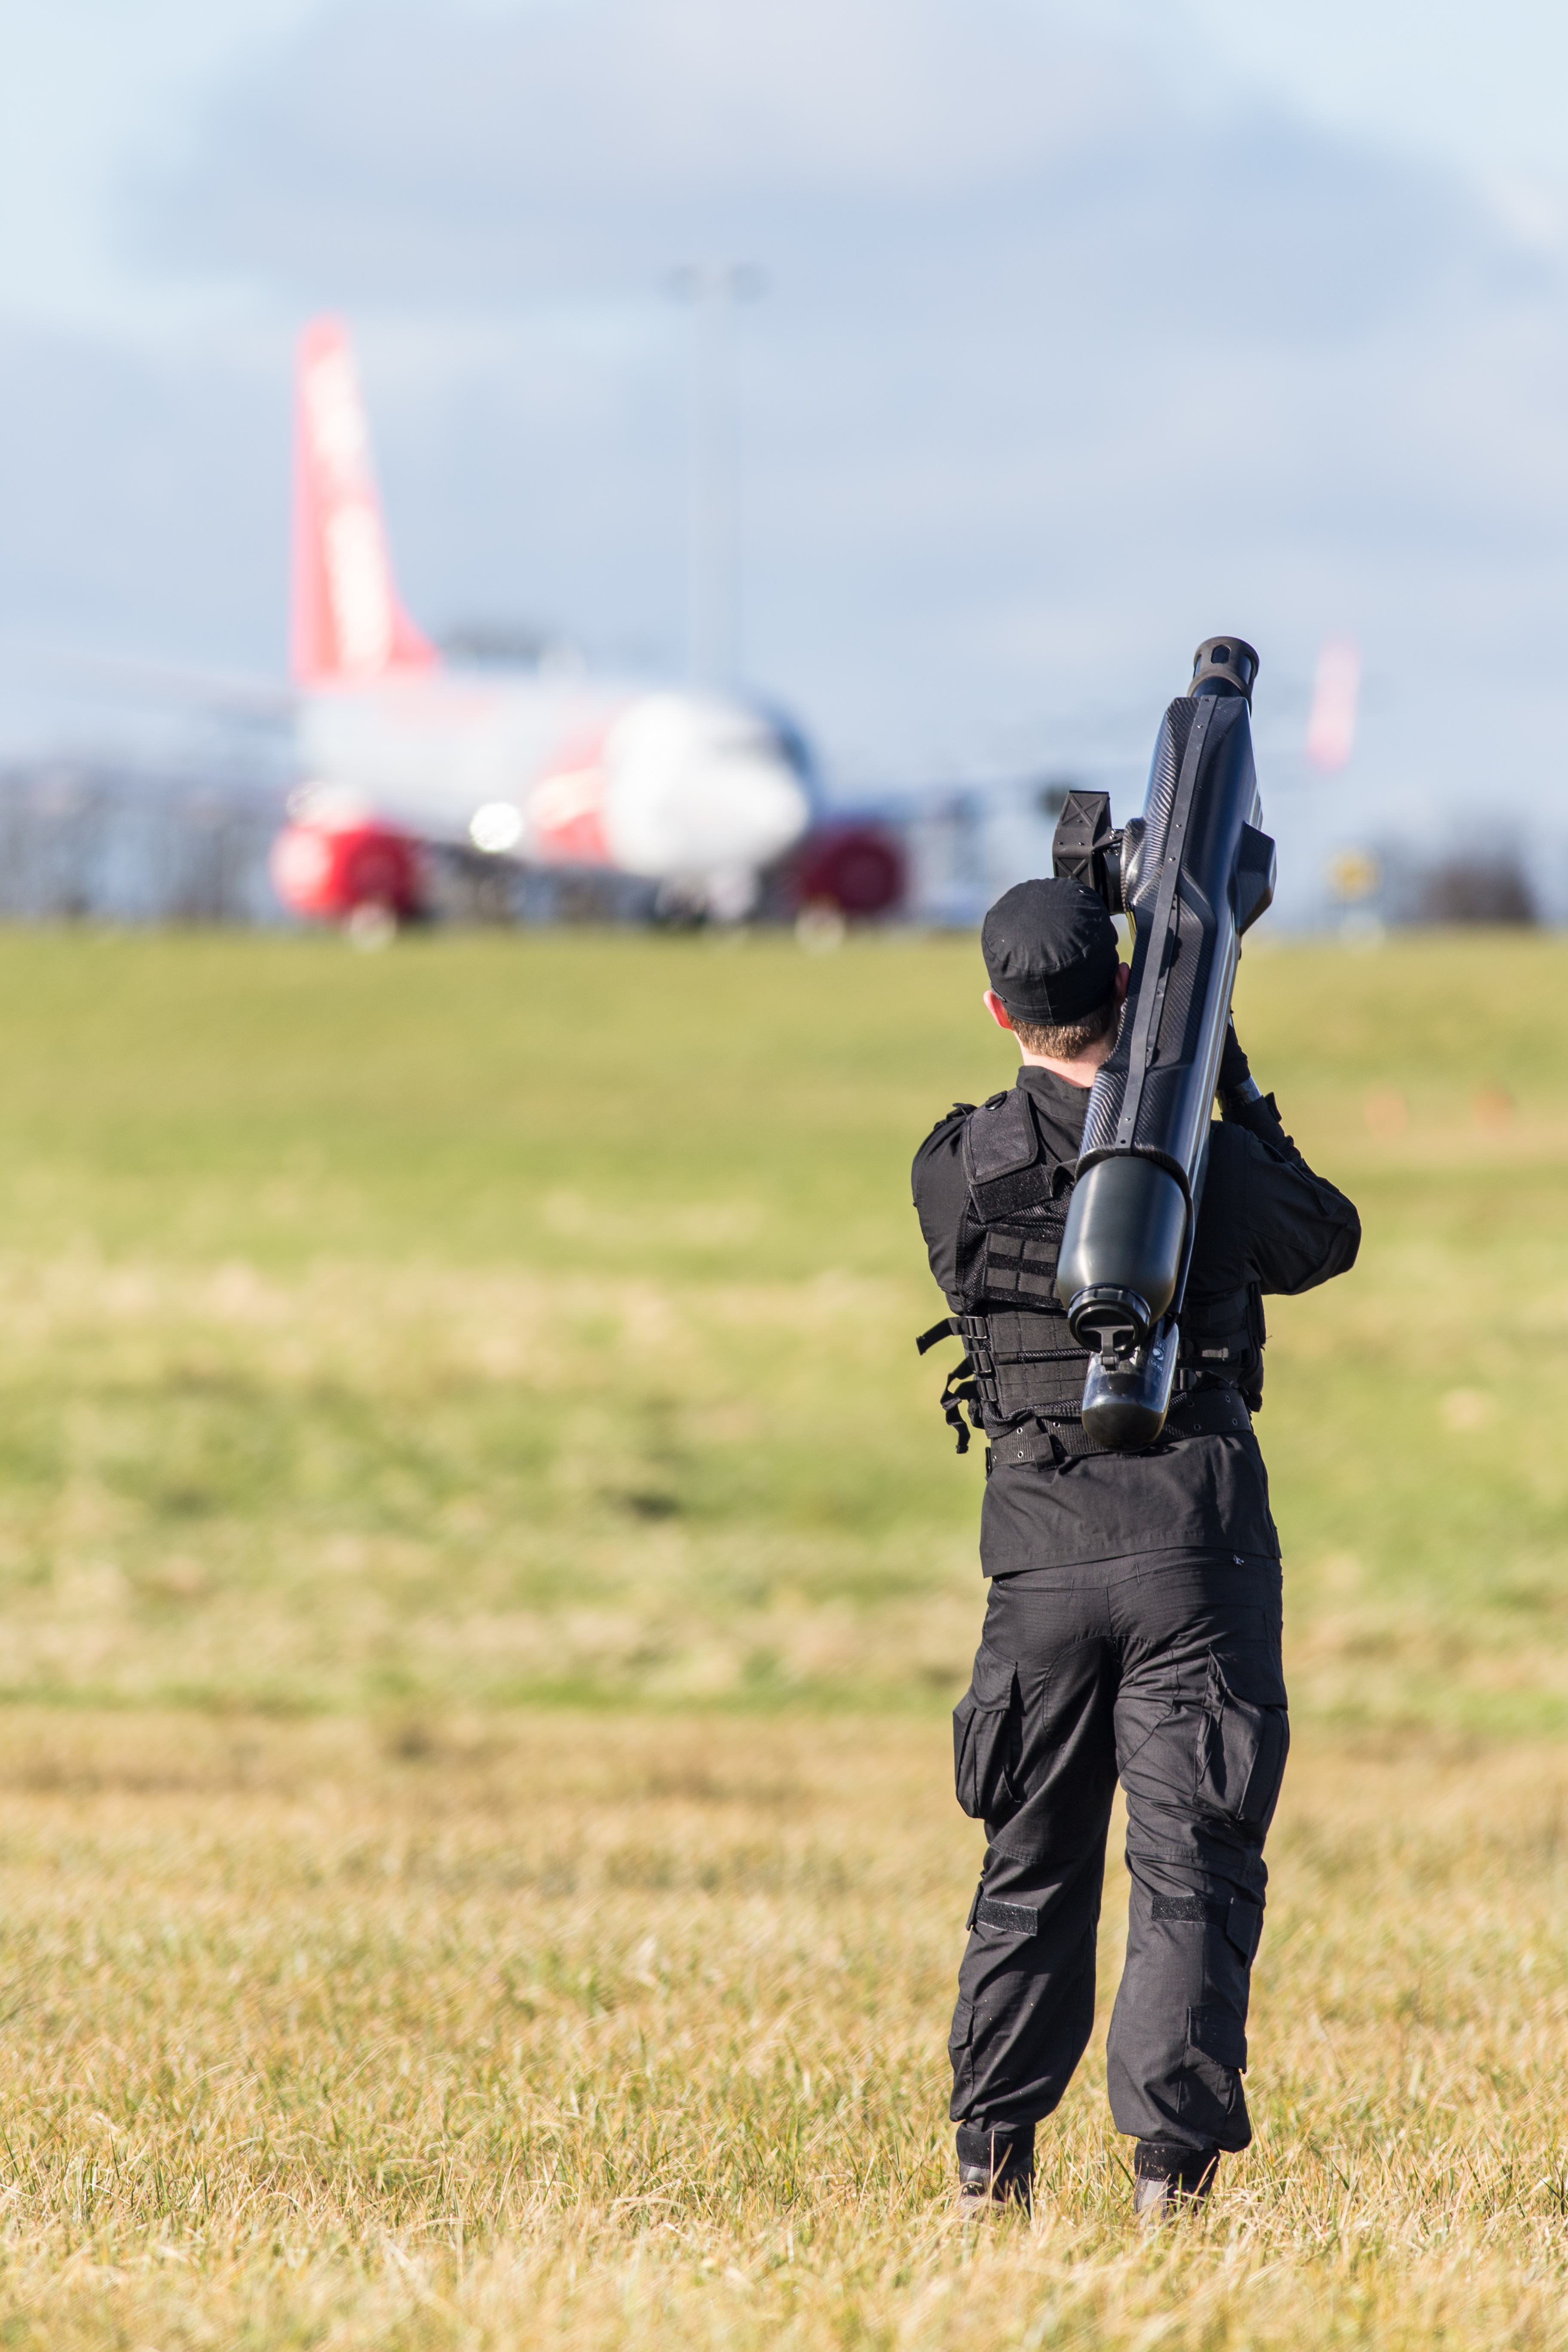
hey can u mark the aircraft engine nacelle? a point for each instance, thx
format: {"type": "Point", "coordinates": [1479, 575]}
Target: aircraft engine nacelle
{"type": "Point", "coordinates": [857, 867]}
{"type": "Point", "coordinates": [331, 862]}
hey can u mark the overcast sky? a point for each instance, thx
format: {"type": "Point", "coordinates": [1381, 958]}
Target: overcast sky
{"type": "Point", "coordinates": [1089, 330]}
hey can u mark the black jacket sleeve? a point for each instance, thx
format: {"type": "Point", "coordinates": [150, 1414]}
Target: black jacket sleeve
{"type": "Point", "coordinates": [1265, 1217]}
{"type": "Point", "coordinates": [941, 1194]}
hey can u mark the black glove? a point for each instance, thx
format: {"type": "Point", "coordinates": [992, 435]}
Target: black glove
{"type": "Point", "coordinates": [1236, 1084]}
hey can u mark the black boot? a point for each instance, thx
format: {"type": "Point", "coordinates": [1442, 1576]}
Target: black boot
{"type": "Point", "coordinates": [1170, 2179]}
{"type": "Point", "coordinates": [996, 2165]}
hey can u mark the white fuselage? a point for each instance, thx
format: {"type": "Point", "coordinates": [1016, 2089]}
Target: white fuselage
{"type": "Point", "coordinates": [675, 786]}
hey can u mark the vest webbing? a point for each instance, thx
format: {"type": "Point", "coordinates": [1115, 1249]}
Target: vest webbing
{"type": "Point", "coordinates": [1021, 1363]}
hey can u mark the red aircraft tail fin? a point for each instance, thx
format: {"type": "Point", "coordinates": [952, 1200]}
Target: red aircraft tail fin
{"type": "Point", "coordinates": [347, 621]}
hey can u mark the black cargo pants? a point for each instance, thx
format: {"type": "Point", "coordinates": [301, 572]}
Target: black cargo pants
{"type": "Point", "coordinates": [1162, 1671]}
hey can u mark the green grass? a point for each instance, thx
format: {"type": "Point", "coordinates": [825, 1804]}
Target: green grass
{"type": "Point", "coordinates": [511, 1316]}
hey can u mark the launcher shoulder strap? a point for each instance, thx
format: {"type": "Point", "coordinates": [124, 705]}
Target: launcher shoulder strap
{"type": "Point", "coordinates": [962, 1385]}
{"type": "Point", "coordinates": [1006, 1161]}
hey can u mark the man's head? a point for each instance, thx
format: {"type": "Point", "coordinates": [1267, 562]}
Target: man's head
{"type": "Point", "coordinates": [1056, 975]}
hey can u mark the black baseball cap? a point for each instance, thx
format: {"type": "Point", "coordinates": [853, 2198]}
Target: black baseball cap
{"type": "Point", "coordinates": [1051, 949]}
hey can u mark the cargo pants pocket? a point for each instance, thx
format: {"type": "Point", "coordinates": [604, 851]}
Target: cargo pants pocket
{"type": "Point", "coordinates": [1210, 2095]}
{"type": "Point", "coordinates": [1244, 1737]}
{"type": "Point", "coordinates": [986, 1730]}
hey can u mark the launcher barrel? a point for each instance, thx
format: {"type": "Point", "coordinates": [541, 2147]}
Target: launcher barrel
{"type": "Point", "coordinates": [1192, 877]}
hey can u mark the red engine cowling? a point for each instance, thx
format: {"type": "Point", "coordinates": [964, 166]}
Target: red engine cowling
{"type": "Point", "coordinates": [859, 868]}
{"type": "Point", "coordinates": [327, 869]}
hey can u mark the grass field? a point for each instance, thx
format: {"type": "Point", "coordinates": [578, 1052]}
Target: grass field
{"type": "Point", "coordinates": [483, 1581]}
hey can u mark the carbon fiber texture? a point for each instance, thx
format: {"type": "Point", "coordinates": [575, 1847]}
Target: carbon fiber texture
{"type": "Point", "coordinates": [1169, 1043]}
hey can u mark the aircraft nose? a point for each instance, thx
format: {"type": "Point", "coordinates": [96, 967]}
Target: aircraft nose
{"type": "Point", "coordinates": [749, 808]}
{"type": "Point", "coordinates": [697, 787]}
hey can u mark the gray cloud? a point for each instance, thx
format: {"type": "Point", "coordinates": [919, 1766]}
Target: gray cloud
{"type": "Point", "coordinates": [536, 141]}
{"type": "Point", "coordinates": [418, 151]}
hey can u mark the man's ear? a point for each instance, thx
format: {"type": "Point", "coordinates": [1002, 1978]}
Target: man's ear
{"type": "Point", "coordinates": [1123, 975]}
{"type": "Point", "coordinates": [996, 1009]}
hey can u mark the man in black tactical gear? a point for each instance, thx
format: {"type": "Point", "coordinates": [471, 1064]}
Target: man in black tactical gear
{"type": "Point", "coordinates": [1133, 1621]}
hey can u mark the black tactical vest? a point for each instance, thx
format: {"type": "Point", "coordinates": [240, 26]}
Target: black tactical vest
{"type": "Point", "coordinates": [1023, 1367]}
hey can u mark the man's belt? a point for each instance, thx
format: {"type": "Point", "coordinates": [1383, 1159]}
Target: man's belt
{"type": "Point", "coordinates": [1209, 1412]}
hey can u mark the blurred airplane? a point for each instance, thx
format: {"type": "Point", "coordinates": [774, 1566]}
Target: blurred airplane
{"type": "Point", "coordinates": [697, 792]}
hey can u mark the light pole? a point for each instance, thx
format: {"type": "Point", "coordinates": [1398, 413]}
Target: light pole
{"type": "Point", "coordinates": [713, 290]}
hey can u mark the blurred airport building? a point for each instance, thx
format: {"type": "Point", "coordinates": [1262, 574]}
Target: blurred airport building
{"type": "Point", "coordinates": [89, 842]}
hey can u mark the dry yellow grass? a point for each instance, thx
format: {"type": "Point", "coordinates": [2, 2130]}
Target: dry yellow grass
{"type": "Point", "coordinates": [571, 2030]}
